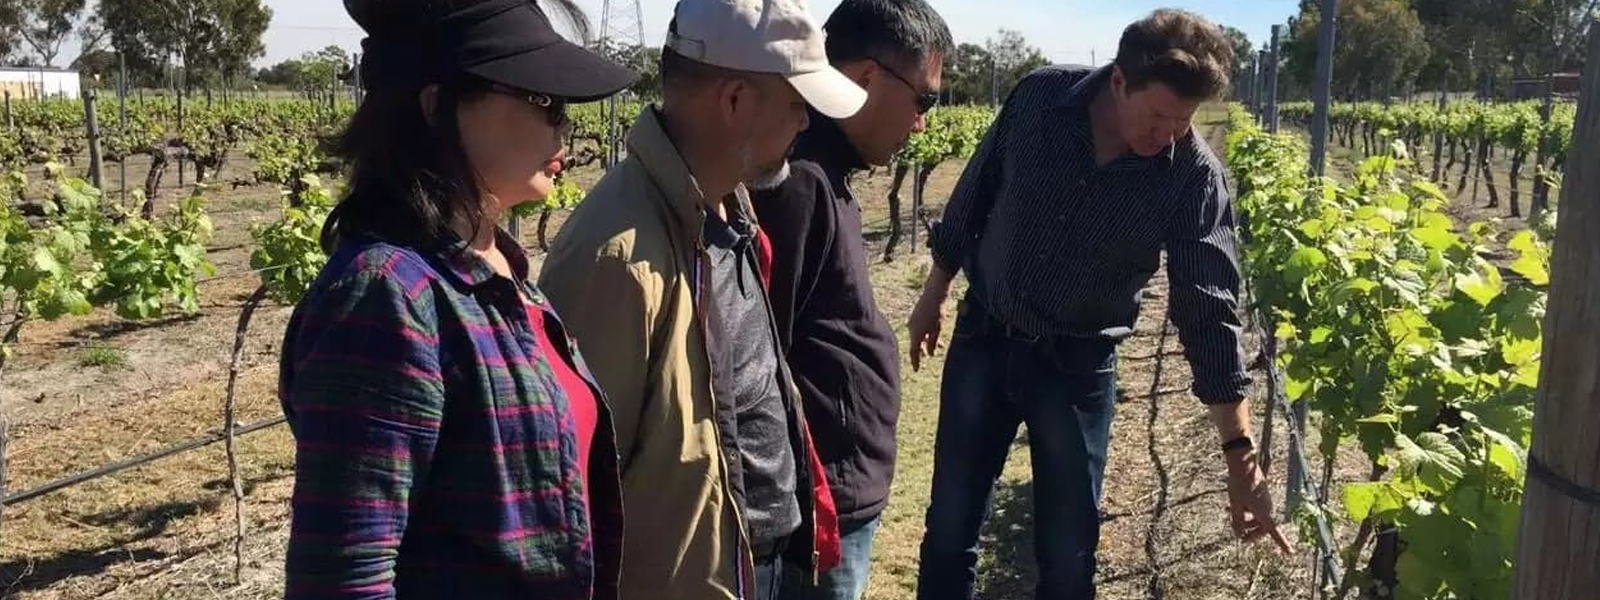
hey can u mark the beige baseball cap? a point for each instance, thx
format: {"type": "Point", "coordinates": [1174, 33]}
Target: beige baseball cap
{"type": "Point", "coordinates": [766, 36]}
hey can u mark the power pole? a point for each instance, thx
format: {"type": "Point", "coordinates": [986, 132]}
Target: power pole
{"type": "Point", "coordinates": [621, 28]}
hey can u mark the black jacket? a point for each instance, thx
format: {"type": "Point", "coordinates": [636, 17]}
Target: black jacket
{"type": "Point", "coordinates": [842, 351]}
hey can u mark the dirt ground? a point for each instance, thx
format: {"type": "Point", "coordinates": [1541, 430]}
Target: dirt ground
{"type": "Point", "coordinates": [164, 530]}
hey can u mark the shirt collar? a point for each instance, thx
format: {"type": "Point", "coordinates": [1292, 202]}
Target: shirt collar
{"type": "Point", "coordinates": [727, 234]}
{"type": "Point", "coordinates": [473, 270]}
{"type": "Point", "coordinates": [1084, 89]}
{"type": "Point", "coordinates": [1075, 104]}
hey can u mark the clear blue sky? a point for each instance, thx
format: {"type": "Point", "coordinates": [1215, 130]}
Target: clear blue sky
{"type": "Point", "coordinates": [1067, 30]}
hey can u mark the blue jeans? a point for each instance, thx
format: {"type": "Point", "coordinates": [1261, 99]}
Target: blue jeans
{"type": "Point", "coordinates": [994, 380]}
{"type": "Point", "coordinates": [769, 574]}
{"type": "Point", "coordinates": [847, 580]}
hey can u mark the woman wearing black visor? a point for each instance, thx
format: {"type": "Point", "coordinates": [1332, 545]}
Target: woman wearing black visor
{"type": "Point", "coordinates": [450, 442]}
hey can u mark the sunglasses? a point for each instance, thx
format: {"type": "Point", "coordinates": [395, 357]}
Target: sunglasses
{"type": "Point", "coordinates": [925, 100]}
{"type": "Point", "coordinates": [555, 109]}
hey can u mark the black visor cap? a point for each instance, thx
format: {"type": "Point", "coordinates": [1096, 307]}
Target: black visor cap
{"type": "Point", "coordinates": [511, 42]}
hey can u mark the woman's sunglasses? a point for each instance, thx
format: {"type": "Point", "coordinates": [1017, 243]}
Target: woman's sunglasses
{"type": "Point", "coordinates": [555, 109]}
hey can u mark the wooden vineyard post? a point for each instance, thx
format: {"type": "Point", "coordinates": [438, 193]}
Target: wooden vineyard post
{"type": "Point", "coordinates": [1541, 187]}
{"type": "Point", "coordinates": [9, 123]}
{"type": "Point", "coordinates": [93, 125]}
{"type": "Point", "coordinates": [1261, 88]}
{"type": "Point", "coordinates": [1322, 97]}
{"type": "Point", "coordinates": [923, 173]}
{"type": "Point", "coordinates": [1438, 137]}
{"type": "Point", "coordinates": [1558, 543]}
{"type": "Point", "coordinates": [1272, 79]}
{"type": "Point", "coordinates": [122, 121]}
{"type": "Point", "coordinates": [181, 93]}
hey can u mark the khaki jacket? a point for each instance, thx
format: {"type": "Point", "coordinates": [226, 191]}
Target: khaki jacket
{"type": "Point", "coordinates": [620, 273]}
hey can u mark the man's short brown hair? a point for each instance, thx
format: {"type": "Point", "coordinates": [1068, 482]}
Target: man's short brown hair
{"type": "Point", "coordinates": [1179, 48]}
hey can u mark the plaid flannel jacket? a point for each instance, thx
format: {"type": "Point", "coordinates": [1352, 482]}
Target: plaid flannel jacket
{"type": "Point", "coordinates": [436, 456]}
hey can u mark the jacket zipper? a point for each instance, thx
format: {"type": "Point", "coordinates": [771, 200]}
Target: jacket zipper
{"type": "Point", "coordinates": [745, 567]}
{"type": "Point", "coordinates": [801, 448]}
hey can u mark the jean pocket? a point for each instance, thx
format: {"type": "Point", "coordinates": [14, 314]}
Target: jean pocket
{"type": "Point", "coordinates": [1083, 357]}
{"type": "Point", "coordinates": [971, 321]}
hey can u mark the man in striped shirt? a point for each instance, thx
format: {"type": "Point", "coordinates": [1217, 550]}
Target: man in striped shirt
{"type": "Point", "coordinates": [1059, 221]}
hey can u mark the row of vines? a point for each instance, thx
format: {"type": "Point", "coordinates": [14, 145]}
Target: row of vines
{"type": "Point", "coordinates": [1408, 344]}
{"type": "Point", "coordinates": [1469, 134]}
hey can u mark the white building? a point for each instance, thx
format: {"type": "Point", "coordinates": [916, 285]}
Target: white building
{"type": "Point", "coordinates": [35, 82]}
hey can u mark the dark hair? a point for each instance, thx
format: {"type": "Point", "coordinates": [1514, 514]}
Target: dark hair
{"type": "Point", "coordinates": [679, 72]}
{"type": "Point", "coordinates": [905, 32]}
{"type": "Point", "coordinates": [1179, 48]}
{"type": "Point", "coordinates": [410, 181]}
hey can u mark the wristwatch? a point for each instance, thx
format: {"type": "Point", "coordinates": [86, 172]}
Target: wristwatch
{"type": "Point", "coordinates": [1242, 442]}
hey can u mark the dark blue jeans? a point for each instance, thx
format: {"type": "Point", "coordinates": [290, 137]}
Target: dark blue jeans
{"type": "Point", "coordinates": [847, 580]}
{"type": "Point", "coordinates": [770, 571]}
{"type": "Point", "coordinates": [994, 380]}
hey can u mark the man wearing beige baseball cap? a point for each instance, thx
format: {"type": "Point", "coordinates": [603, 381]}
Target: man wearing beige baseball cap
{"type": "Point", "coordinates": [656, 276]}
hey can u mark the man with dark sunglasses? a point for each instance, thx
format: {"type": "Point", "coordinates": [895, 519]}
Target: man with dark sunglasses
{"type": "Point", "coordinates": [840, 347]}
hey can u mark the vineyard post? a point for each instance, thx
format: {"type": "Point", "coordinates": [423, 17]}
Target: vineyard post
{"type": "Point", "coordinates": [93, 125]}
{"type": "Point", "coordinates": [122, 120]}
{"type": "Point", "coordinates": [9, 123]}
{"type": "Point", "coordinates": [916, 205]}
{"type": "Point", "coordinates": [994, 80]}
{"type": "Point", "coordinates": [1541, 187]}
{"type": "Point", "coordinates": [1438, 134]}
{"type": "Point", "coordinates": [182, 91]}
{"type": "Point", "coordinates": [333, 96]}
{"type": "Point", "coordinates": [1272, 80]}
{"type": "Point", "coordinates": [356, 91]}
{"type": "Point", "coordinates": [1556, 547]}
{"type": "Point", "coordinates": [1261, 87]}
{"type": "Point", "coordinates": [611, 133]}
{"type": "Point", "coordinates": [1327, 30]}
{"type": "Point", "coordinates": [1249, 88]}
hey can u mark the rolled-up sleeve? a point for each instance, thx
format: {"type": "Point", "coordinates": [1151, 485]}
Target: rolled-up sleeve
{"type": "Point", "coordinates": [1203, 269]}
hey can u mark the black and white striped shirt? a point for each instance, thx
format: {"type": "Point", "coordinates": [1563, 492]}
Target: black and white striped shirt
{"type": "Point", "coordinates": [1055, 246]}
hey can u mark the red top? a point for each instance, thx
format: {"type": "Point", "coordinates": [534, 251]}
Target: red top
{"type": "Point", "coordinates": [581, 402]}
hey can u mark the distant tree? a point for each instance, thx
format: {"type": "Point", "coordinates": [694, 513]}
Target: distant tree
{"type": "Point", "coordinates": [210, 38]}
{"type": "Point", "coordinates": [644, 60]}
{"type": "Point", "coordinates": [309, 71]}
{"type": "Point", "coordinates": [1244, 59]}
{"type": "Point", "coordinates": [1013, 59]}
{"type": "Point", "coordinates": [98, 64]}
{"type": "Point", "coordinates": [10, 28]}
{"type": "Point", "coordinates": [967, 75]}
{"type": "Point", "coordinates": [45, 24]}
{"type": "Point", "coordinates": [1380, 48]}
